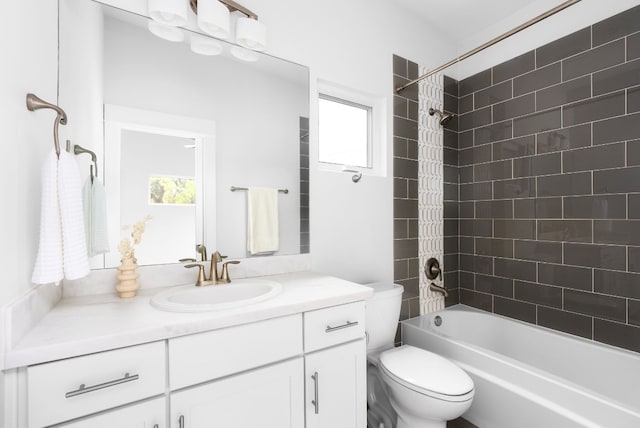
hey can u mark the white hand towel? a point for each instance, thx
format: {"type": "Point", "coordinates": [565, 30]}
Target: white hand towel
{"type": "Point", "coordinates": [95, 217]}
{"type": "Point", "coordinates": [62, 251]}
{"type": "Point", "coordinates": [262, 220]}
{"type": "Point", "coordinates": [48, 267]}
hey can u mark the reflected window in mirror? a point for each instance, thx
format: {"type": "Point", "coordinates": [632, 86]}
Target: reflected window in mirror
{"type": "Point", "coordinates": [168, 190]}
{"type": "Point", "coordinates": [157, 178]}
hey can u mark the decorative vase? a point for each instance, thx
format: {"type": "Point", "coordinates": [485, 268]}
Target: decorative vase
{"type": "Point", "coordinates": [127, 285]}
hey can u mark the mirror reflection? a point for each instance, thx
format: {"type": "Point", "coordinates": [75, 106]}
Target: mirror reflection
{"type": "Point", "coordinates": [164, 95]}
{"type": "Point", "coordinates": [166, 191]}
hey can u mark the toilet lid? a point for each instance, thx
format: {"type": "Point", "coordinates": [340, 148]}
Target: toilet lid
{"type": "Point", "coordinates": [426, 372]}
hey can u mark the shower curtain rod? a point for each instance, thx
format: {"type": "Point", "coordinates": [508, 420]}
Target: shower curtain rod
{"type": "Point", "coordinates": [491, 42]}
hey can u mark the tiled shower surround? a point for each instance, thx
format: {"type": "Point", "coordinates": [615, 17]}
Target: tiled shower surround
{"type": "Point", "coordinates": [304, 186]}
{"type": "Point", "coordinates": [407, 269]}
{"type": "Point", "coordinates": [548, 163]}
{"type": "Point", "coordinates": [405, 187]}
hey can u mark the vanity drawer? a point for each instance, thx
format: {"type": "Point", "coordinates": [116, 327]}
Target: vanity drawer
{"type": "Point", "coordinates": [74, 387]}
{"type": "Point", "coordinates": [334, 325]}
{"type": "Point", "coordinates": [206, 356]}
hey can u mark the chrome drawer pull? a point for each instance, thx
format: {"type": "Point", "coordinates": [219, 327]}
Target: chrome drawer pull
{"type": "Point", "coordinates": [86, 389]}
{"type": "Point", "coordinates": [315, 401]}
{"type": "Point", "coordinates": [181, 421]}
{"type": "Point", "coordinates": [329, 329]}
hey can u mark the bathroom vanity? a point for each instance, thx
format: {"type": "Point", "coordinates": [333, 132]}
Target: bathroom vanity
{"type": "Point", "coordinates": [295, 360]}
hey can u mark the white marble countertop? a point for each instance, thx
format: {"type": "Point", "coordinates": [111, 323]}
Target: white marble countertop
{"type": "Point", "coordinates": [84, 325]}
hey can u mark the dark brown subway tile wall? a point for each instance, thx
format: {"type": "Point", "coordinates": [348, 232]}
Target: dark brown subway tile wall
{"type": "Point", "coordinates": [407, 269]}
{"type": "Point", "coordinates": [304, 186]}
{"type": "Point", "coordinates": [405, 188]}
{"type": "Point", "coordinates": [548, 217]}
{"type": "Point", "coordinates": [453, 211]}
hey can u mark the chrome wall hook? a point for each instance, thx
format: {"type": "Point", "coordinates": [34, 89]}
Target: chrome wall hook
{"type": "Point", "coordinates": [36, 103]}
{"type": "Point", "coordinates": [357, 175]}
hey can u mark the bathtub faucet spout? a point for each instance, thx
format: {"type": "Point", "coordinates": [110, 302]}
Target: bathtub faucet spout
{"type": "Point", "coordinates": [437, 288]}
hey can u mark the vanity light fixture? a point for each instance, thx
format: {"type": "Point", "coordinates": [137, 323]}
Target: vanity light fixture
{"type": "Point", "coordinates": [168, 12]}
{"type": "Point", "coordinates": [244, 54]}
{"type": "Point", "coordinates": [250, 33]}
{"type": "Point", "coordinates": [205, 45]}
{"type": "Point", "coordinates": [166, 32]}
{"type": "Point", "coordinates": [214, 18]}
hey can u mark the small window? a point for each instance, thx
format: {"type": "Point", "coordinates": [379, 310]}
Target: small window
{"type": "Point", "coordinates": [345, 132]}
{"type": "Point", "coordinates": [351, 128]}
{"type": "Point", "coordinates": [169, 190]}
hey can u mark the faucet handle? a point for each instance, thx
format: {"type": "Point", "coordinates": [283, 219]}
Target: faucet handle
{"type": "Point", "coordinates": [224, 276]}
{"type": "Point", "coordinates": [201, 278]}
{"type": "Point", "coordinates": [432, 269]}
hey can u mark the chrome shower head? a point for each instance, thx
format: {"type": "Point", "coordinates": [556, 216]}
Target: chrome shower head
{"type": "Point", "coordinates": [444, 117]}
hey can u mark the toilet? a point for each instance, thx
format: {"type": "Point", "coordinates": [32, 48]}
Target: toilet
{"type": "Point", "coordinates": [407, 387]}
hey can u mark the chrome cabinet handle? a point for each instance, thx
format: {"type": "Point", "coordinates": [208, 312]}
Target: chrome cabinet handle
{"type": "Point", "coordinates": [315, 401]}
{"type": "Point", "coordinates": [82, 389]}
{"type": "Point", "coordinates": [156, 426]}
{"type": "Point", "coordinates": [181, 421]}
{"type": "Point", "coordinates": [348, 324]}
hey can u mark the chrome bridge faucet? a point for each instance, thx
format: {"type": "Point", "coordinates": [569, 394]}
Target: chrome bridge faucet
{"type": "Point", "coordinates": [213, 271]}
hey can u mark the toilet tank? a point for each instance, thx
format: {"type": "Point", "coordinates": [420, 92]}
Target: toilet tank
{"type": "Point", "coordinates": [382, 315]}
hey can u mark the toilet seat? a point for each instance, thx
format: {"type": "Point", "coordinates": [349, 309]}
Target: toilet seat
{"type": "Point", "coordinates": [426, 373]}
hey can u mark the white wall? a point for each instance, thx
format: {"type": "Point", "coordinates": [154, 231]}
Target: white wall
{"type": "Point", "coordinates": [29, 64]}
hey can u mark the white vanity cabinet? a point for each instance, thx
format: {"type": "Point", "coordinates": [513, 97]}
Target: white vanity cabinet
{"type": "Point", "coordinates": [270, 397]}
{"type": "Point", "coordinates": [149, 414]}
{"type": "Point", "coordinates": [335, 367]}
{"type": "Point", "coordinates": [303, 370]}
{"type": "Point", "coordinates": [68, 389]}
{"type": "Point", "coordinates": [246, 376]}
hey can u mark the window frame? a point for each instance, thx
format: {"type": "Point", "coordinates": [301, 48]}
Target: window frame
{"type": "Point", "coordinates": [375, 107]}
{"type": "Point", "coordinates": [369, 143]}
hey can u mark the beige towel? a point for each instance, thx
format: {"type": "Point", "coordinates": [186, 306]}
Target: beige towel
{"type": "Point", "coordinates": [262, 220]}
{"type": "Point", "coordinates": [62, 252]}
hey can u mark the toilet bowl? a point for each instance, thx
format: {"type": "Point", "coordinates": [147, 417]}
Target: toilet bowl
{"type": "Point", "coordinates": [408, 387]}
{"type": "Point", "coordinates": [425, 389]}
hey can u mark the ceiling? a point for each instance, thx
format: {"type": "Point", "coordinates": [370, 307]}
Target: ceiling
{"type": "Point", "coordinates": [457, 19]}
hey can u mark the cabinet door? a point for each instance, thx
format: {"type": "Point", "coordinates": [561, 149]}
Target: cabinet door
{"type": "Point", "coordinates": [335, 383]}
{"type": "Point", "coordinates": [150, 414]}
{"type": "Point", "coordinates": [271, 397]}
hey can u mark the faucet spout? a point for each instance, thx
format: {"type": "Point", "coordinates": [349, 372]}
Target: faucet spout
{"type": "Point", "coordinates": [439, 289]}
{"type": "Point", "coordinates": [213, 271]}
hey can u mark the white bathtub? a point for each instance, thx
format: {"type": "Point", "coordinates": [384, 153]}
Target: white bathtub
{"type": "Point", "coordinates": [532, 377]}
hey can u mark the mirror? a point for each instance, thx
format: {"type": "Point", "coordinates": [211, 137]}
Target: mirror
{"type": "Point", "coordinates": [154, 111]}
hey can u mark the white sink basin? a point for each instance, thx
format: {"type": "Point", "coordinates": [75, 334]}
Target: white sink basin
{"type": "Point", "coordinates": [240, 292]}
